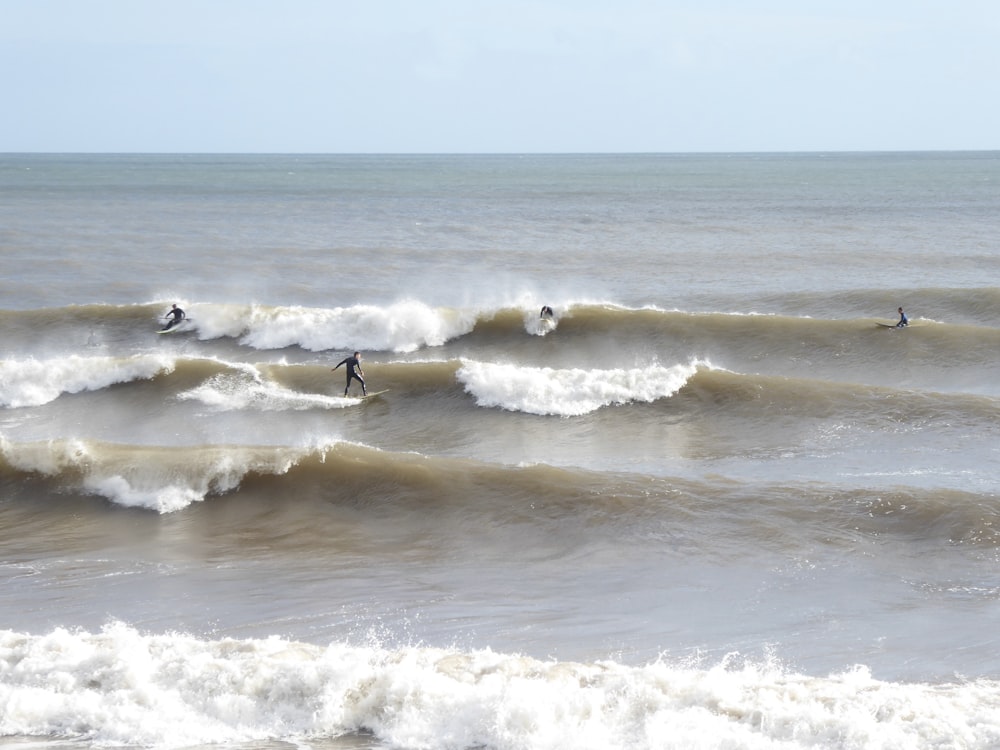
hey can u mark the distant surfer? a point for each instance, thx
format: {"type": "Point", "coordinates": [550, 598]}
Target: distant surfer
{"type": "Point", "coordinates": [353, 369]}
{"type": "Point", "coordinates": [903, 320]}
{"type": "Point", "coordinates": [546, 312]}
{"type": "Point", "coordinates": [176, 315]}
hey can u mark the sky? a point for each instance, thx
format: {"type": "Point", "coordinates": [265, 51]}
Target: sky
{"type": "Point", "coordinates": [512, 76]}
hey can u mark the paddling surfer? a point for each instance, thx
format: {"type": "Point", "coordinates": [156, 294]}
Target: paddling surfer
{"type": "Point", "coordinates": [354, 372]}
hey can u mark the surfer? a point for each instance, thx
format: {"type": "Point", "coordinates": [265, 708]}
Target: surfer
{"type": "Point", "coordinates": [353, 368]}
{"type": "Point", "coordinates": [176, 315]}
{"type": "Point", "coordinates": [546, 312]}
{"type": "Point", "coordinates": [903, 320]}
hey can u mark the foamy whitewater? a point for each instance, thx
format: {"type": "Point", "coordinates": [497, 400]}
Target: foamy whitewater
{"type": "Point", "coordinates": [710, 503]}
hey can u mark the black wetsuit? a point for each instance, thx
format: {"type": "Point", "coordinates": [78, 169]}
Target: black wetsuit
{"type": "Point", "coordinates": [353, 362]}
{"type": "Point", "coordinates": [178, 317]}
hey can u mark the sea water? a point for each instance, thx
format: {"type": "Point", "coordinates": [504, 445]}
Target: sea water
{"type": "Point", "coordinates": [710, 504]}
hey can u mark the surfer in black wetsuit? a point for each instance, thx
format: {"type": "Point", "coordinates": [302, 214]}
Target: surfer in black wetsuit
{"type": "Point", "coordinates": [903, 320]}
{"type": "Point", "coordinates": [353, 369]}
{"type": "Point", "coordinates": [546, 312]}
{"type": "Point", "coordinates": [178, 316]}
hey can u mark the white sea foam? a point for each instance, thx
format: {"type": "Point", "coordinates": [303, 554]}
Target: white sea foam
{"type": "Point", "coordinates": [121, 687]}
{"type": "Point", "coordinates": [246, 389]}
{"type": "Point", "coordinates": [33, 382]}
{"type": "Point", "coordinates": [403, 326]}
{"type": "Point", "coordinates": [538, 326]}
{"type": "Point", "coordinates": [568, 392]}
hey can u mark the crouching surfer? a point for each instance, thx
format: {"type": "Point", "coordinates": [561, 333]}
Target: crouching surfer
{"type": "Point", "coordinates": [176, 315]}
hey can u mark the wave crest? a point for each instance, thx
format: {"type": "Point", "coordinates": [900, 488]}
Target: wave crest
{"type": "Point", "coordinates": [401, 327]}
{"type": "Point", "coordinates": [158, 478]}
{"type": "Point", "coordinates": [568, 392]}
{"type": "Point", "coordinates": [33, 382]}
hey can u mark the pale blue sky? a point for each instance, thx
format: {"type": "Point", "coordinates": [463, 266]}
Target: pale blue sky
{"type": "Point", "coordinates": [432, 76]}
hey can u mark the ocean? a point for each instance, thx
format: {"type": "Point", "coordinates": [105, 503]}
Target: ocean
{"type": "Point", "coordinates": [709, 504]}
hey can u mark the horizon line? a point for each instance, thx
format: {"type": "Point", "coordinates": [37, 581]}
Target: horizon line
{"type": "Point", "coordinates": [505, 153]}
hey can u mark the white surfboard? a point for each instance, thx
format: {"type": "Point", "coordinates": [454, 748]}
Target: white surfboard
{"type": "Point", "coordinates": [368, 395]}
{"type": "Point", "coordinates": [182, 326]}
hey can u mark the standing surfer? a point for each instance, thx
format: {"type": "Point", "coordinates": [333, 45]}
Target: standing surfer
{"type": "Point", "coordinates": [903, 320]}
{"type": "Point", "coordinates": [353, 369]}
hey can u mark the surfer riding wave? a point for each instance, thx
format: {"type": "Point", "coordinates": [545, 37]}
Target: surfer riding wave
{"type": "Point", "coordinates": [176, 315]}
{"type": "Point", "coordinates": [354, 372]}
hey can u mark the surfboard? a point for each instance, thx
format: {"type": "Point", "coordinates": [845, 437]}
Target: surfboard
{"type": "Point", "coordinates": [889, 325]}
{"type": "Point", "coordinates": [368, 395]}
{"type": "Point", "coordinates": [182, 326]}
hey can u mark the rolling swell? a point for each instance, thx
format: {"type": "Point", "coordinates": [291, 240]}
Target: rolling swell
{"type": "Point", "coordinates": [639, 392]}
{"type": "Point", "coordinates": [299, 497]}
{"type": "Point", "coordinates": [976, 306]}
{"type": "Point", "coordinates": [697, 389]}
{"type": "Point", "coordinates": [734, 394]}
{"type": "Point", "coordinates": [937, 354]}
{"type": "Point", "coordinates": [459, 389]}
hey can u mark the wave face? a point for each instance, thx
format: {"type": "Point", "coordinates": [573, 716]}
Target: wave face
{"type": "Point", "coordinates": [710, 502]}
